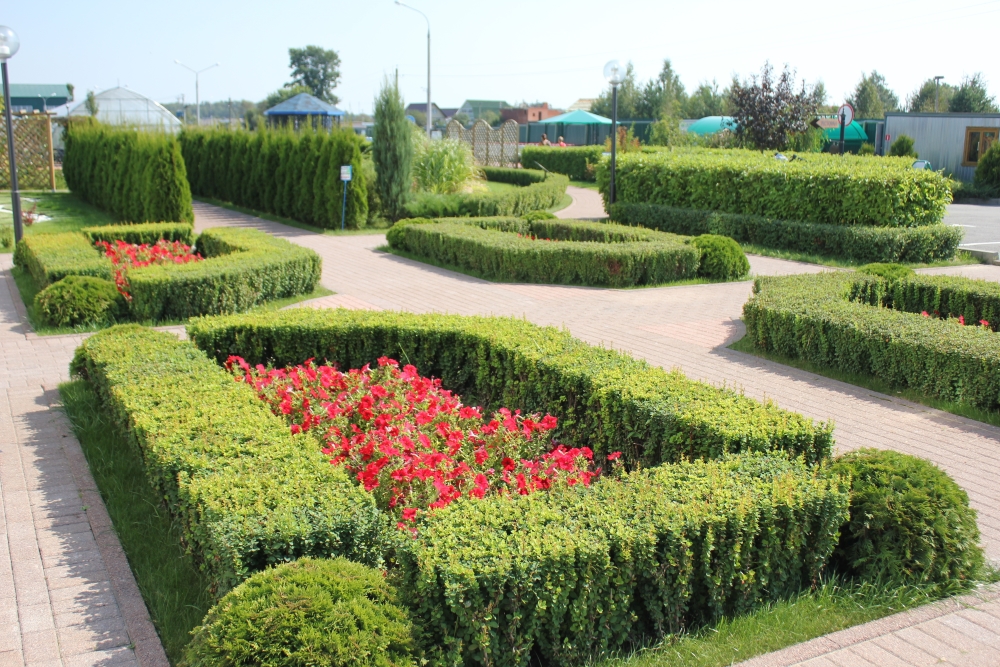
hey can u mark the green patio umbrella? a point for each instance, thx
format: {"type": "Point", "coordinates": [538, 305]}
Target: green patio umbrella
{"type": "Point", "coordinates": [579, 117]}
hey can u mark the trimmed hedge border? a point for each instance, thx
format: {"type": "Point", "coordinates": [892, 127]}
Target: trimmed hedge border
{"type": "Point", "coordinates": [513, 176]}
{"type": "Point", "coordinates": [142, 233]}
{"type": "Point", "coordinates": [829, 189]}
{"type": "Point", "coordinates": [243, 268]}
{"type": "Point", "coordinates": [604, 399]}
{"type": "Point", "coordinates": [577, 162]}
{"type": "Point", "coordinates": [247, 493]}
{"type": "Point", "coordinates": [564, 578]}
{"type": "Point", "coordinates": [927, 243]}
{"type": "Point", "coordinates": [518, 201]}
{"type": "Point", "coordinates": [860, 324]}
{"type": "Point", "coordinates": [580, 253]}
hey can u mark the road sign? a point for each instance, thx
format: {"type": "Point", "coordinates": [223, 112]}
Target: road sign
{"type": "Point", "coordinates": [345, 172]}
{"type": "Point", "coordinates": [888, 137]}
{"type": "Point", "coordinates": [847, 111]}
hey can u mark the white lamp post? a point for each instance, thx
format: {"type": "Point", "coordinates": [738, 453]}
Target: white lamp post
{"type": "Point", "coordinates": [614, 72]}
{"type": "Point", "coordinates": [197, 95]}
{"type": "Point", "coordinates": [9, 44]}
{"type": "Point", "coordinates": [429, 114]}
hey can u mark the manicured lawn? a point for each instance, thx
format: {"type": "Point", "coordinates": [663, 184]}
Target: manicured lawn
{"type": "Point", "coordinates": [68, 212]}
{"type": "Point", "coordinates": [872, 383]}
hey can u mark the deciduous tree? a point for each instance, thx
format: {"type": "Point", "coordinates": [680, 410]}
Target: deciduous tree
{"type": "Point", "coordinates": [769, 112]}
{"type": "Point", "coordinates": [971, 97]}
{"type": "Point", "coordinates": [317, 69]}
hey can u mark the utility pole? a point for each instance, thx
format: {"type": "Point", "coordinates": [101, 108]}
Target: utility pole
{"type": "Point", "coordinates": [937, 92]}
{"type": "Point", "coordinates": [429, 113]}
{"type": "Point", "coordinates": [197, 94]}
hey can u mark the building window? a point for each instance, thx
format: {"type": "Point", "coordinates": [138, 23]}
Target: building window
{"type": "Point", "coordinates": [977, 141]}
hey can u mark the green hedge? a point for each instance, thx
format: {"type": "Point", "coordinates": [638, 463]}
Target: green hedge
{"type": "Point", "coordinates": [138, 176]}
{"type": "Point", "coordinates": [78, 300]}
{"type": "Point", "coordinates": [828, 189]}
{"type": "Point", "coordinates": [291, 174]}
{"type": "Point", "coordinates": [243, 268]}
{"type": "Point", "coordinates": [577, 162]}
{"type": "Point", "coordinates": [580, 253]}
{"type": "Point", "coordinates": [245, 492]}
{"type": "Point", "coordinates": [566, 578]}
{"type": "Point", "coordinates": [815, 318]}
{"type": "Point", "coordinates": [518, 201]}
{"type": "Point", "coordinates": [859, 242]}
{"type": "Point", "coordinates": [142, 233]}
{"type": "Point", "coordinates": [513, 176]}
{"type": "Point", "coordinates": [604, 399]}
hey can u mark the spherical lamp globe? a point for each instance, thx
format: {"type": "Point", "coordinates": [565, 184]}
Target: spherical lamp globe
{"type": "Point", "coordinates": [614, 72]}
{"type": "Point", "coordinates": [9, 43]}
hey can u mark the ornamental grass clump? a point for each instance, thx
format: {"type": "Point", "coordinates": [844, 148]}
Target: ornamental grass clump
{"type": "Point", "coordinates": [411, 442]}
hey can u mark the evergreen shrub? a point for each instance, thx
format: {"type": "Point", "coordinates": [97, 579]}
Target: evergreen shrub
{"type": "Point", "coordinates": [392, 151]}
{"type": "Point", "coordinates": [291, 174]}
{"type": "Point", "coordinates": [721, 258]}
{"type": "Point", "coordinates": [820, 188]}
{"type": "Point", "coordinates": [857, 242]}
{"type": "Point", "coordinates": [988, 169]}
{"type": "Point", "coordinates": [137, 176]}
{"type": "Point", "coordinates": [517, 201]}
{"type": "Point", "coordinates": [910, 523]}
{"type": "Point", "coordinates": [513, 176]}
{"type": "Point", "coordinates": [329, 612]}
{"type": "Point", "coordinates": [80, 300]}
{"type": "Point", "coordinates": [577, 162]}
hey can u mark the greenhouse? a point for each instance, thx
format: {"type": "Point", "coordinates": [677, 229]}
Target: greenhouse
{"type": "Point", "coordinates": [121, 106]}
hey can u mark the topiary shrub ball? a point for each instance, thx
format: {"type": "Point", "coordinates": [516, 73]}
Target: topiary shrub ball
{"type": "Point", "coordinates": [722, 258]}
{"type": "Point", "coordinates": [988, 169]}
{"type": "Point", "coordinates": [887, 271]}
{"type": "Point", "coordinates": [80, 300]}
{"type": "Point", "coordinates": [909, 522]}
{"type": "Point", "coordinates": [535, 216]}
{"type": "Point", "coordinates": [303, 614]}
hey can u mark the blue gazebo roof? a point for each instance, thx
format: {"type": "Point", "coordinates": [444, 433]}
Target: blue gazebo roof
{"type": "Point", "coordinates": [303, 104]}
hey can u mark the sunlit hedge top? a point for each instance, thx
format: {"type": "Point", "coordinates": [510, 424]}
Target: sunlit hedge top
{"type": "Point", "coordinates": [814, 187]}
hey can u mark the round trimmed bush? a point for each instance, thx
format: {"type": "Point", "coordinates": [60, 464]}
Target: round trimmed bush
{"type": "Point", "coordinates": [535, 216]}
{"type": "Point", "coordinates": [722, 258]}
{"type": "Point", "coordinates": [909, 522]}
{"type": "Point", "coordinates": [988, 169]}
{"type": "Point", "coordinates": [887, 271]}
{"type": "Point", "coordinates": [80, 300]}
{"type": "Point", "coordinates": [395, 234]}
{"type": "Point", "coordinates": [306, 613]}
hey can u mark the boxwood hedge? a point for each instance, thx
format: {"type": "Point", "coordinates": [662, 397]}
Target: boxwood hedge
{"type": "Point", "coordinates": [243, 268]}
{"type": "Point", "coordinates": [869, 325]}
{"type": "Point", "coordinates": [836, 190]}
{"type": "Point", "coordinates": [564, 578]}
{"type": "Point", "coordinates": [515, 201]}
{"type": "Point", "coordinates": [513, 176]}
{"type": "Point", "coordinates": [551, 251]}
{"type": "Point", "coordinates": [246, 492]}
{"type": "Point", "coordinates": [577, 162]}
{"type": "Point", "coordinates": [604, 399]}
{"type": "Point", "coordinates": [142, 233]}
{"type": "Point", "coordinates": [864, 243]}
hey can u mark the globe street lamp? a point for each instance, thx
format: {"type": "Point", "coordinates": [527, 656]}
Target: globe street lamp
{"type": "Point", "coordinates": [197, 96]}
{"type": "Point", "coordinates": [614, 72]}
{"type": "Point", "coordinates": [428, 63]}
{"type": "Point", "coordinates": [9, 44]}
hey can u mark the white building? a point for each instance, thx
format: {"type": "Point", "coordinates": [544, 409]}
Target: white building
{"type": "Point", "coordinates": [950, 141]}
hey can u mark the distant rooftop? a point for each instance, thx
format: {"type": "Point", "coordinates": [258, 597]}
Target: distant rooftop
{"type": "Point", "coordinates": [303, 104]}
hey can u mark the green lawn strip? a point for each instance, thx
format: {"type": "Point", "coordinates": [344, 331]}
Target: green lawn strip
{"type": "Point", "coordinates": [289, 221]}
{"type": "Point", "coordinates": [69, 213]}
{"type": "Point", "coordinates": [962, 258]}
{"type": "Point", "coordinates": [590, 185]}
{"type": "Point", "coordinates": [566, 200]}
{"type": "Point", "coordinates": [174, 590]}
{"type": "Point", "coordinates": [872, 383]}
{"type": "Point", "coordinates": [28, 289]}
{"type": "Point", "coordinates": [475, 274]}
{"type": "Point", "coordinates": [829, 608]}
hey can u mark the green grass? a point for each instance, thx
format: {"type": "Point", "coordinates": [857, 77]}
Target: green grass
{"type": "Point", "coordinates": [566, 200]}
{"type": "Point", "coordinates": [293, 223]}
{"type": "Point", "coordinates": [28, 289]}
{"type": "Point", "coordinates": [961, 258]}
{"type": "Point", "coordinates": [831, 607]}
{"type": "Point", "coordinates": [174, 590]}
{"type": "Point", "coordinates": [69, 213]}
{"type": "Point", "coordinates": [476, 274]}
{"type": "Point", "coordinates": [498, 188]}
{"type": "Point", "coordinates": [872, 383]}
{"type": "Point", "coordinates": [590, 185]}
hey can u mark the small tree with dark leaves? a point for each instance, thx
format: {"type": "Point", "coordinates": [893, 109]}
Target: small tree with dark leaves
{"type": "Point", "coordinates": [769, 113]}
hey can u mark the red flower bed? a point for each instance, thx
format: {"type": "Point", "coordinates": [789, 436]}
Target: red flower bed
{"type": "Point", "coordinates": [411, 442]}
{"type": "Point", "coordinates": [126, 256]}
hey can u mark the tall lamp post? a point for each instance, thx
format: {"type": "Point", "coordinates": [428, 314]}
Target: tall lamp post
{"type": "Point", "coordinates": [197, 95]}
{"type": "Point", "coordinates": [614, 72]}
{"type": "Point", "coordinates": [937, 92]}
{"type": "Point", "coordinates": [9, 44]}
{"type": "Point", "coordinates": [429, 114]}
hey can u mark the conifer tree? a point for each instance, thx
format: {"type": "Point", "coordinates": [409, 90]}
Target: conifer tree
{"type": "Point", "coordinates": [392, 150]}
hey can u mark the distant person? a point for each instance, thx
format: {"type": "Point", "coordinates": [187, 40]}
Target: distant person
{"type": "Point", "coordinates": [562, 142]}
{"type": "Point", "coordinates": [545, 140]}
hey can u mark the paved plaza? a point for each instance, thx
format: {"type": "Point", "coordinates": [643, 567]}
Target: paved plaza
{"type": "Point", "coordinates": [67, 596]}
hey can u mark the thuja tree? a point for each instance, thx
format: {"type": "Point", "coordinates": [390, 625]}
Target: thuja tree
{"type": "Point", "coordinates": [769, 112]}
{"type": "Point", "coordinates": [392, 150]}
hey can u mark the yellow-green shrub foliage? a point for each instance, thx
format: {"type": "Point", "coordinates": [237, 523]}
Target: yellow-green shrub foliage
{"type": "Point", "coordinates": [291, 174]}
{"type": "Point", "coordinates": [138, 176]}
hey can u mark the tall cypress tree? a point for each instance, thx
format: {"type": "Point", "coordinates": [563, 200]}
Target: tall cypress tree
{"type": "Point", "coordinates": [392, 150]}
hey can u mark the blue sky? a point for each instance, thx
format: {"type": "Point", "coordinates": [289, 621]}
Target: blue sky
{"type": "Point", "coordinates": [514, 50]}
